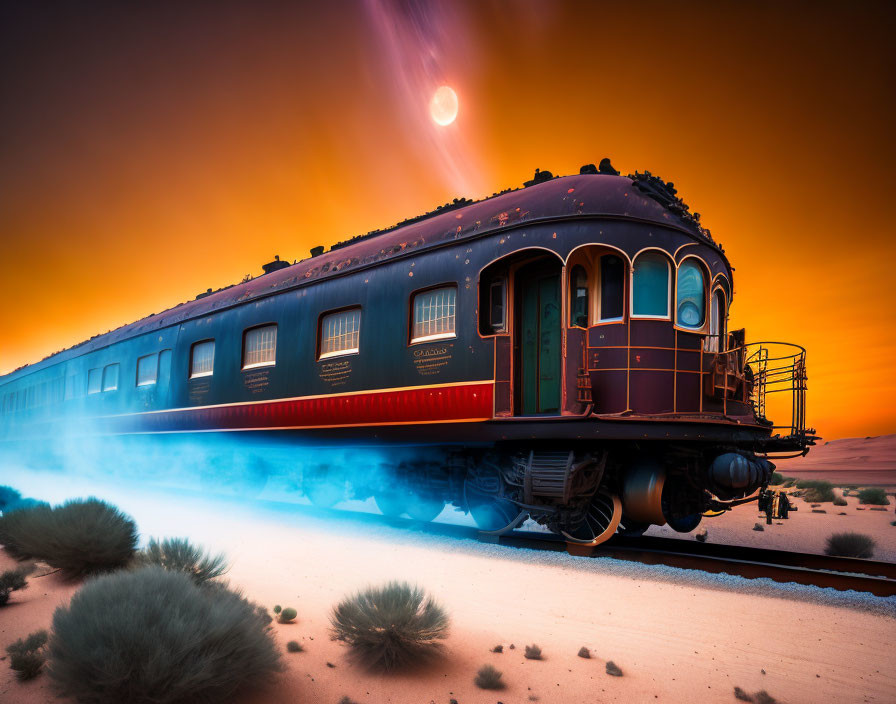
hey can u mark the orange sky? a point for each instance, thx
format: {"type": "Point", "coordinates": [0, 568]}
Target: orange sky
{"type": "Point", "coordinates": [150, 153]}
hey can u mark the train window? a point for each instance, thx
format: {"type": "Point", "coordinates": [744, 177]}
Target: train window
{"type": "Point", "coordinates": [95, 381]}
{"type": "Point", "coordinates": [651, 285]}
{"type": "Point", "coordinates": [340, 333]}
{"type": "Point", "coordinates": [434, 312]}
{"type": "Point", "coordinates": [578, 292]}
{"type": "Point", "coordinates": [691, 295]}
{"type": "Point", "coordinates": [260, 347]}
{"type": "Point", "coordinates": [110, 377]}
{"type": "Point", "coordinates": [612, 287]}
{"type": "Point", "coordinates": [202, 359]}
{"type": "Point", "coordinates": [715, 342]}
{"type": "Point", "coordinates": [497, 314]}
{"type": "Point", "coordinates": [148, 370]}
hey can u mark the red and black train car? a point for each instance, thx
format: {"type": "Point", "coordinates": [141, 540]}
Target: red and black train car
{"type": "Point", "coordinates": [560, 351]}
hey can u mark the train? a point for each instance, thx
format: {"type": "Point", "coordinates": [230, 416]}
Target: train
{"type": "Point", "coordinates": [558, 352]}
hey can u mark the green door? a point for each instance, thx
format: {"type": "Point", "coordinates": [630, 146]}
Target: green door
{"type": "Point", "coordinates": [539, 342]}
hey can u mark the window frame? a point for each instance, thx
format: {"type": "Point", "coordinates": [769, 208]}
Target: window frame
{"type": "Point", "coordinates": [599, 294]}
{"type": "Point", "coordinates": [571, 292]}
{"type": "Point", "coordinates": [200, 375]}
{"type": "Point", "coordinates": [258, 365]}
{"type": "Point", "coordinates": [411, 320]}
{"type": "Point", "coordinates": [704, 270]}
{"type": "Point", "coordinates": [321, 355]}
{"type": "Point", "coordinates": [665, 257]}
{"type": "Point", "coordinates": [137, 383]}
{"type": "Point", "coordinates": [99, 390]}
{"type": "Point", "coordinates": [106, 368]}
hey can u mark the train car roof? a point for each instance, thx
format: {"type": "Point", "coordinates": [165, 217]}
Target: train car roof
{"type": "Point", "coordinates": [641, 197]}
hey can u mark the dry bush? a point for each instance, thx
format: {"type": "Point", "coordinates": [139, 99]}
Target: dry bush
{"type": "Point", "coordinates": [584, 652]}
{"type": "Point", "coordinates": [533, 652]}
{"type": "Point", "coordinates": [27, 655]}
{"type": "Point", "coordinates": [613, 669]}
{"type": "Point", "coordinates": [294, 646]}
{"type": "Point", "coordinates": [179, 555]}
{"type": "Point", "coordinates": [850, 545]}
{"type": "Point", "coordinates": [79, 537]}
{"type": "Point", "coordinates": [390, 627]}
{"type": "Point", "coordinates": [152, 636]}
{"type": "Point", "coordinates": [489, 677]}
{"type": "Point", "coordinates": [13, 581]}
{"type": "Point", "coordinates": [840, 501]}
{"type": "Point", "coordinates": [498, 649]}
{"type": "Point", "coordinates": [816, 490]}
{"type": "Point", "coordinates": [874, 496]}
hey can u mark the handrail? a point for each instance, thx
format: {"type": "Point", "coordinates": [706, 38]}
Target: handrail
{"type": "Point", "coordinates": [771, 368]}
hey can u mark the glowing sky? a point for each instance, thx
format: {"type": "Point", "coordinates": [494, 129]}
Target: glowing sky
{"type": "Point", "coordinates": [151, 152]}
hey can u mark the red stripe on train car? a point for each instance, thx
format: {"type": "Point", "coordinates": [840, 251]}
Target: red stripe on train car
{"type": "Point", "coordinates": [462, 402]}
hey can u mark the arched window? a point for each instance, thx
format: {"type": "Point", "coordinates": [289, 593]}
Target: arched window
{"type": "Point", "coordinates": [650, 286]}
{"type": "Point", "coordinates": [612, 287]}
{"type": "Point", "coordinates": [716, 340]}
{"type": "Point", "coordinates": [578, 291]}
{"type": "Point", "coordinates": [691, 304]}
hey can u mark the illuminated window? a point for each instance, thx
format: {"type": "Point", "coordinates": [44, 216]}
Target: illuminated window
{"type": "Point", "coordinates": [578, 291]}
{"type": "Point", "coordinates": [95, 381]}
{"type": "Point", "coordinates": [340, 332]}
{"type": "Point", "coordinates": [434, 314]}
{"type": "Point", "coordinates": [260, 347]}
{"type": "Point", "coordinates": [148, 370]}
{"type": "Point", "coordinates": [110, 377]}
{"type": "Point", "coordinates": [650, 286]}
{"type": "Point", "coordinates": [202, 359]}
{"type": "Point", "coordinates": [612, 287]}
{"type": "Point", "coordinates": [691, 296]}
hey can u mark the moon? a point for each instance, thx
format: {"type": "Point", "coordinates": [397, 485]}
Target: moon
{"type": "Point", "coordinates": [443, 106]}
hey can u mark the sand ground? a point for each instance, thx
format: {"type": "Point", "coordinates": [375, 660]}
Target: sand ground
{"type": "Point", "coordinates": [679, 636]}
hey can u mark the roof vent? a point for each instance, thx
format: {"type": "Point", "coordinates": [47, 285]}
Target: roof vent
{"type": "Point", "coordinates": [317, 251]}
{"type": "Point", "coordinates": [275, 265]}
{"type": "Point", "coordinates": [540, 177]}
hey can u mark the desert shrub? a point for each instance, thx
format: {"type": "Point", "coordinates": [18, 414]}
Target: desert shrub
{"type": "Point", "coordinates": [777, 478]}
{"type": "Point", "coordinates": [789, 482]}
{"type": "Point", "coordinates": [12, 581]}
{"type": "Point", "coordinates": [179, 555]}
{"type": "Point", "coordinates": [489, 677]}
{"type": "Point", "coordinates": [287, 615]}
{"type": "Point", "coordinates": [758, 526]}
{"type": "Point", "coordinates": [8, 496]}
{"type": "Point", "coordinates": [533, 652]}
{"type": "Point", "coordinates": [893, 523]}
{"type": "Point", "coordinates": [347, 700]}
{"type": "Point", "coordinates": [741, 695]}
{"type": "Point", "coordinates": [27, 655]}
{"type": "Point", "coordinates": [390, 627]}
{"type": "Point", "coordinates": [294, 646]}
{"type": "Point", "coordinates": [278, 609]}
{"type": "Point", "coordinates": [840, 501]}
{"type": "Point", "coordinates": [874, 496]}
{"type": "Point", "coordinates": [613, 669]}
{"type": "Point", "coordinates": [850, 545]}
{"type": "Point", "coordinates": [78, 537]}
{"type": "Point", "coordinates": [584, 652]}
{"type": "Point", "coordinates": [152, 636]}
{"type": "Point", "coordinates": [816, 490]}
{"type": "Point", "coordinates": [498, 649]}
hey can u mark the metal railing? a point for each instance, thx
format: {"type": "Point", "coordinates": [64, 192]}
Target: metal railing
{"type": "Point", "coordinates": [754, 371]}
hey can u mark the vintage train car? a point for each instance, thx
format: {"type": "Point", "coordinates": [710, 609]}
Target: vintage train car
{"type": "Point", "coordinates": [560, 351]}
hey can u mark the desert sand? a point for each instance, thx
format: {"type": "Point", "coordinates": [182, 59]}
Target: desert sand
{"type": "Point", "coordinates": [678, 635]}
{"type": "Point", "coordinates": [864, 461]}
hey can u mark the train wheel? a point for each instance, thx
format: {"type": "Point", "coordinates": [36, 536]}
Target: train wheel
{"type": "Point", "coordinates": [601, 520]}
{"type": "Point", "coordinates": [324, 494]}
{"type": "Point", "coordinates": [493, 514]}
{"type": "Point", "coordinates": [390, 503]}
{"type": "Point", "coordinates": [423, 507]}
{"type": "Point", "coordinates": [685, 524]}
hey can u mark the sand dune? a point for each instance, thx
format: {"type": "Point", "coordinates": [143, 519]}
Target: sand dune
{"type": "Point", "coordinates": [866, 461]}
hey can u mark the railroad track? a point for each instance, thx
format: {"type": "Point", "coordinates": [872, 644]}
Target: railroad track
{"type": "Point", "coordinates": [841, 573]}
